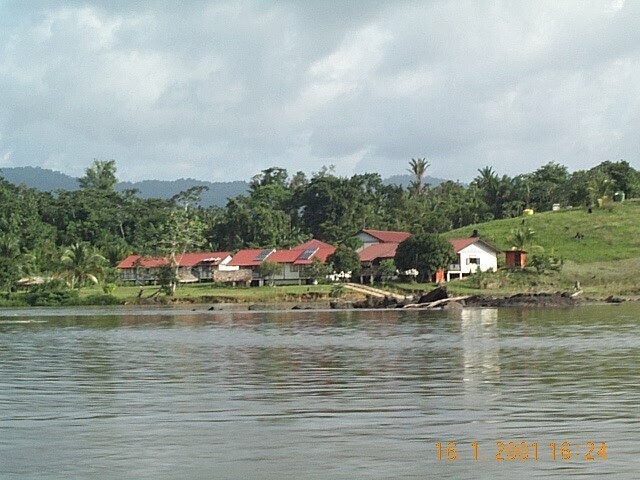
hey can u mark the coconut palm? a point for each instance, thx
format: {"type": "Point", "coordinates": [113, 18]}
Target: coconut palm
{"type": "Point", "coordinates": [600, 187]}
{"type": "Point", "coordinates": [81, 263]}
{"type": "Point", "coordinates": [418, 167]}
{"type": "Point", "coordinates": [521, 237]}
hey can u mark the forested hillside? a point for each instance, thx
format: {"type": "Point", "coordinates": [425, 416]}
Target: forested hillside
{"type": "Point", "coordinates": [67, 233]}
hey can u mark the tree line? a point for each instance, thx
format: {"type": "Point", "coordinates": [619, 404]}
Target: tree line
{"type": "Point", "coordinates": [81, 235]}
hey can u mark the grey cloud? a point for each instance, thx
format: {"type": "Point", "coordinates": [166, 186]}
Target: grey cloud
{"type": "Point", "coordinates": [221, 90]}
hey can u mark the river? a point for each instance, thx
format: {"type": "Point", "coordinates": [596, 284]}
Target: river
{"type": "Point", "coordinates": [170, 393]}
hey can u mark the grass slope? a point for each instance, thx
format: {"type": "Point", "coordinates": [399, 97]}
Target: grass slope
{"type": "Point", "coordinates": [609, 233]}
{"type": "Point", "coordinates": [605, 261]}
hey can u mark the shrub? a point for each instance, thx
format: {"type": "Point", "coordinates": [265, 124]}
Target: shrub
{"type": "Point", "coordinates": [100, 299]}
{"type": "Point", "coordinates": [543, 263]}
{"type": "Point", "coordinates": [337, 290]}
{"type": "Point", "coordinates": [51, 297]}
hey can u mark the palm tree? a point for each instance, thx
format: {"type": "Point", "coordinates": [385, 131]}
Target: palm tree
{"type": "Point", "coordinates": [80, 263]}
{"type": "Point", "coordinates": [599, 188]}
{"type": "Point", "coordinates": [418, 167]}
{"type": "Point", "coordinates": [521, 238]}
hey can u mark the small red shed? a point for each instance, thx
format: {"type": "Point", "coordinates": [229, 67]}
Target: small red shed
{"type": "Point", "coordinates": [515, 258]}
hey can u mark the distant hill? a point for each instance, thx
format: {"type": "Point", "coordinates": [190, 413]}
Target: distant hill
{"type": "Point", "coordinates": [39, 178]}
{"type": "Point", "coordinates": [404, 180]}
{"type": "Point", "coordinates": [50, 180]}
{"type": "Point", "coordinates": [219, 192]}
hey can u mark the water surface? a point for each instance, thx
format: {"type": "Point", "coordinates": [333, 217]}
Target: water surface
{"type": "Point", "coordinates": [166, 394]}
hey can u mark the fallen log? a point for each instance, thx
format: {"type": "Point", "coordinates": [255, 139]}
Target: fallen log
{"type": "Point", "coordinates": [436, 303]}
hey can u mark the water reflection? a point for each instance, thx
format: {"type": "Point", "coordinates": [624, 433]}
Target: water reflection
{"type": "Point", "coordinates": [480, 346]}
{"type": "Point", "coordinates": [314, 394]}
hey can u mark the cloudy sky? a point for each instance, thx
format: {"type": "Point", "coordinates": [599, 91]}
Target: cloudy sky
{"type": "Point", "coordinates": [221, 90]}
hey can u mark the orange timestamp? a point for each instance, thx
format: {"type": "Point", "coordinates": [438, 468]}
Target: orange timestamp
{"type": "Point", "coordinates": [505, 451]}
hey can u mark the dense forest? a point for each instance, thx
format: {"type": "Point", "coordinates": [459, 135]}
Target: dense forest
{"type": "Point", "coordinates": [81, 234]}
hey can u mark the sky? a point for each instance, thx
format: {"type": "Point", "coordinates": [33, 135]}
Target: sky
{"type": "Point", "coordinates": [221, 90]}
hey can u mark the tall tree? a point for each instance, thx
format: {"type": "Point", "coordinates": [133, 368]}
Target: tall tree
{"type": "Point", "coordinates": [81, 263]}
{"type": "Point", "coordinates": [623, 176]}
{"type": "Point", "coordinates": [183, 230]}
{"type": "Point", "coordinates": [418, 167]}
{"type": "Point", "coordinates": [101, 175]}
{"type": "Point", "coordinates": [344, 259]}
{"type": "Point", "coordinates": [9, 261]}
{"type": "Point", "coordinates": [426, 253]}
{"type": "Point", "coordinates": [547, 185]}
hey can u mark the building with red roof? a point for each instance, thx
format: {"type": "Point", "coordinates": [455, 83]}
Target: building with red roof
{"type": "Point", "coordinates": [473, 254]}
{"type": "Point", "coordinates": [380, 245]}
{"type": "Point", "coordinates": [292, 261]}
{"type": "Point", "coordinates": [192, 267]}
{"type": "Point", "coordinates": [374, 237]}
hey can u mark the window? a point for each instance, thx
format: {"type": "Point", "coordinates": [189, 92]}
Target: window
{"type": "Point", "coordinates": [473, 261]}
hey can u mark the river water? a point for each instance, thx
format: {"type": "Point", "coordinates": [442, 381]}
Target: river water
{"type": "Point", "coordinates": [168, 394]}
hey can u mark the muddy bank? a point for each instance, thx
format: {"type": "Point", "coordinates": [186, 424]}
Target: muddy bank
{"type": "Point", "coordinates": [439, 298]}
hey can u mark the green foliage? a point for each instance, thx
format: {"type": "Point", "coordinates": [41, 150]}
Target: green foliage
{"type": "Point", "coordinates": [344, 259]}
{"type": "Point", "coordinates": [543, 262]}
{"type": "Point", "coordinates": [317, 270]}
{"type": "Point", "coordinates": [167, 278]}
{"type": "Point", "coordinates": [12, 300]}
{"type": "Point", "coordinates": [426, 253]}
{"type": "Point", "coordinates": [337, 290]}
{"type": "Point", "coordinates": [100, 176]}
{"type": "Point", "coordinates": [480, 279]}
{"type": "Point", "coordinates": [623, 177]}
{"type": "Point", "coordinates": [268, 270]}
{"type": "Point", "coordinates": [9, 261]}
{"type": "Point", "coordinates": [521, 237]}
{"type": "Point", "coordinates": [418, 167]}
{"type": "Point", "coordinates": [387, 269]}
{"type": "Point", "coordinates": [51, 294]}
{"type": "Point", "coordinates": [105, 299]}
{"type": "Point", "coordinates": [600, 188]}
{"type": "Point", "coordinates": [546, 186]}
{"type": "Point", "coordinates": [80, 263]}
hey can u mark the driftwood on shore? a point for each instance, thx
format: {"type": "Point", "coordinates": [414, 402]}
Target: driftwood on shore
{"type": "Point", "coordinates": [437, 303]}
{"type": "Point", "coordinates": [438, 298]}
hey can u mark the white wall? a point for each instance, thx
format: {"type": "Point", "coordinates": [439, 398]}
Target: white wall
{"type": "Point", "coordinates": [367, 240]}
{"type": "Point", "coordinates": [484, 257]}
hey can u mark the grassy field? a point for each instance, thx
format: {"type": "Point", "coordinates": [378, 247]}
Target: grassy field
{"type": "Point", "coordinates": [605, 260]}
{"type": "Point", "coordinates": [608, 234]}
{"type": "Point", "coordinates": [210, 293]}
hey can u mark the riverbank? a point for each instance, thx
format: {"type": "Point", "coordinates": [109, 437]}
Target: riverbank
{"type": "Point", "coordinates": [436, 298]}
{"type": "Point", "coordinates": [312, 297]}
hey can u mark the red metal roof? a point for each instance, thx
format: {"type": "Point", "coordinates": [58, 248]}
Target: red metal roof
{"type": "Point", "coordinates": [186, 260]}
{"type": "Point", "coordinates": [247, 258]}
{"type": "Point", "coordinates": [284, 256]}
{"type": "Point", "coordinates": [145, 262]}
{"type": "Point", "coordinates": [313, 244]}
{"type": "Point", "coordinates": [193, 259]}
{"type": "Point", "coordinates": [462, 243]}
{"type": "Point", "coordinates": [378, 251]}
{"type": "Point", "coordinates": [386, 236]}
{"type": "Point", "coordinates": [322, 253]}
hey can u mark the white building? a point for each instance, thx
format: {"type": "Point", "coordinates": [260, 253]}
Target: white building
{"type": "Point", "coordinates": [473, 254]}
